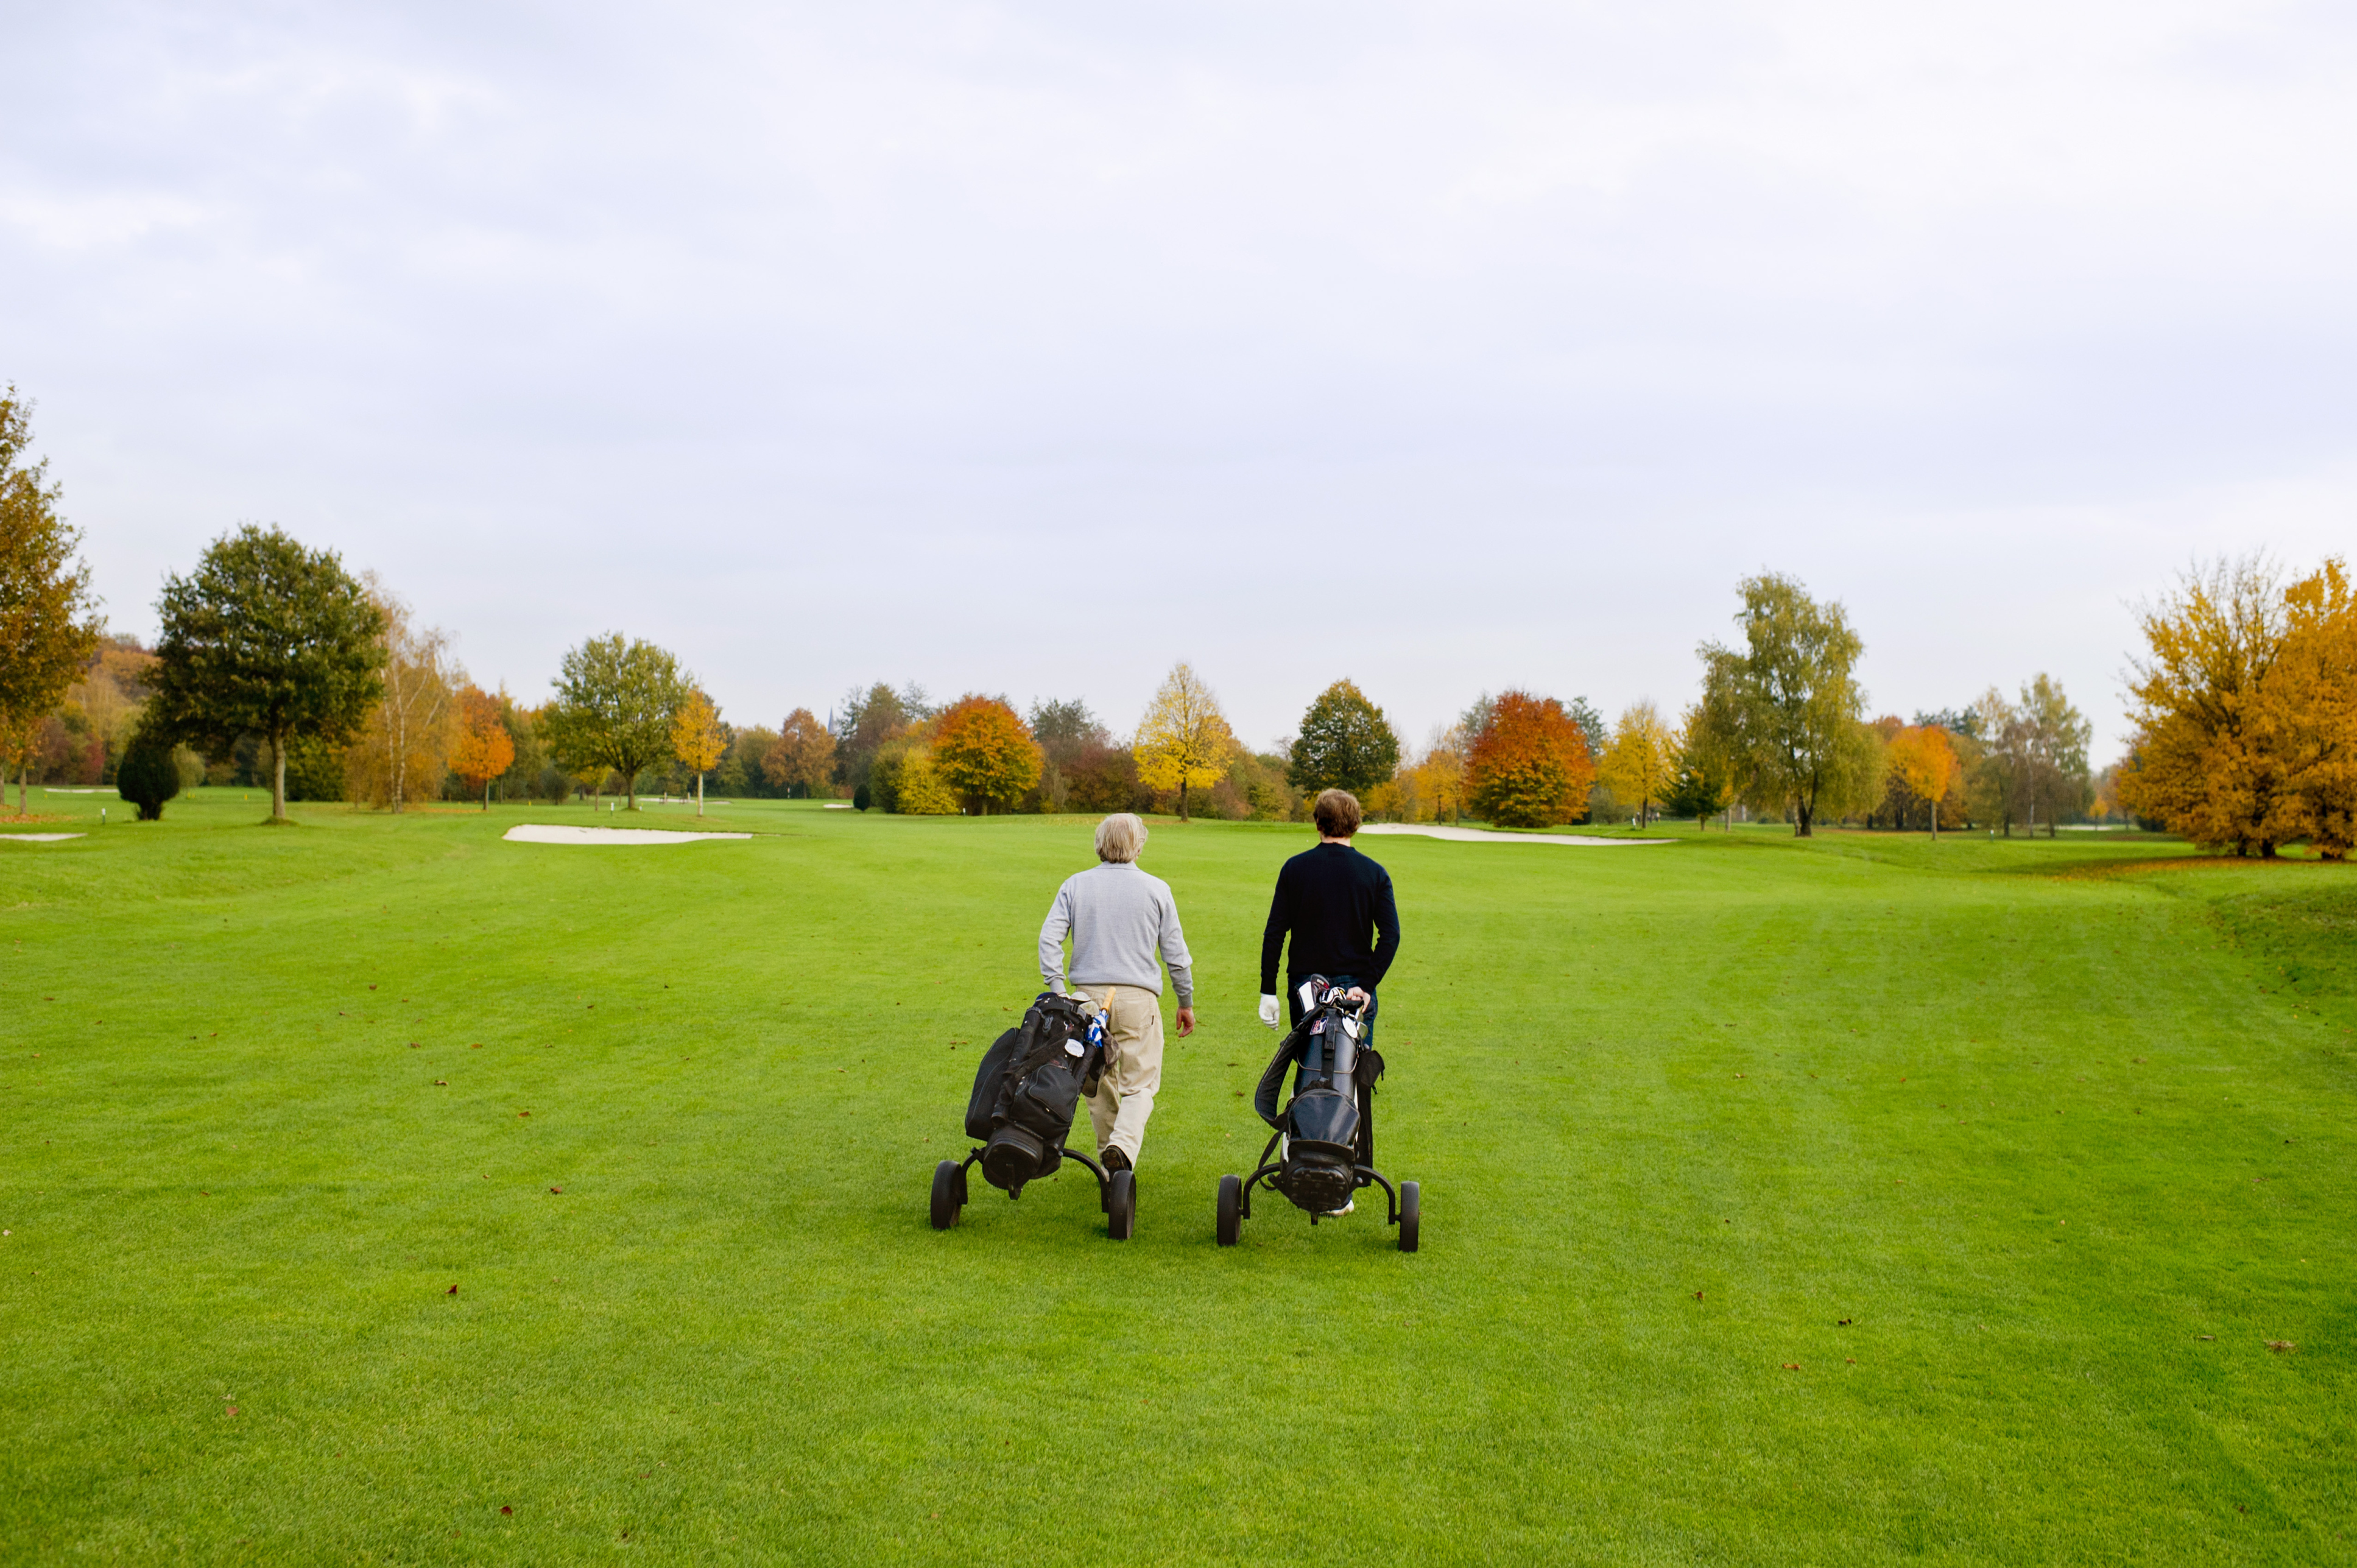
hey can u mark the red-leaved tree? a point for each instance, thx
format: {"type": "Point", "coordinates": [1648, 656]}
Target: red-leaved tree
{"type": "Point", "coordinates": [1530, 766]}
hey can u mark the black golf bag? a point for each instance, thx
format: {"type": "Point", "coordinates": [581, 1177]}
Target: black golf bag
{"type": "Point", "coordinates": [1326, 1130]}
{"type": "Point", "coordinates": [1324, 1146]}
{"type": "Point", "coordinates": [1026, 1087]}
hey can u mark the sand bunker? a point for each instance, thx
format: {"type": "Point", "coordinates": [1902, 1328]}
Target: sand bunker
{"type": "Point", "coordinates": [1482, 836]}
{"type": "Point", "coordinates": [533, 832]}
{"type": "Point", "coordinates": [39, 838]}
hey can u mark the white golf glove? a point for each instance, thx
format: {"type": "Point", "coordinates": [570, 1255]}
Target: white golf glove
{"type": "Point", "coordinates": [1268, 1011]}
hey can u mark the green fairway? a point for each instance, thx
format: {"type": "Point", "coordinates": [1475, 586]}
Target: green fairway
{"type": "Point", "coordinates": [1837, 1201]}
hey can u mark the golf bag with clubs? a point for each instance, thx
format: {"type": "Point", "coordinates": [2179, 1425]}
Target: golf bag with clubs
{"type": "Point", "coordinates": [1024, 1093]}
{"type": "Point", "coordinates": [1323, 1149]}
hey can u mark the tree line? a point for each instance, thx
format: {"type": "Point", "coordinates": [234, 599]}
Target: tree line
{"type": "Point", "coordinates": [278, 668]}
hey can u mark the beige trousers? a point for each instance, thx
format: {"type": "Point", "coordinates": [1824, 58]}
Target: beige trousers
{"type": "Point", "coordinates": [1124, 1096]}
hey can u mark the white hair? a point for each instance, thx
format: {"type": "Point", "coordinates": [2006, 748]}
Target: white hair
{"type": "Point", "coordinates": [1120, 837]}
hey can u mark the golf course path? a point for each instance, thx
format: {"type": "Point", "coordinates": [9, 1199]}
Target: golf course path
{"type": "Point", "coordinates": [534, 833]}
{"type": "Point", "coordinates": [1482, 836]}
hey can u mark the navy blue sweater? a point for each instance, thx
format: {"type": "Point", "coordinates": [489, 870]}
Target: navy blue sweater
{"type": "Point", "coordinates": [1333, 902]}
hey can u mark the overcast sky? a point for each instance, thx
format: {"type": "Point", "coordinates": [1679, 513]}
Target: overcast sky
{"type": "Point", "coordinates": [1029, 349]}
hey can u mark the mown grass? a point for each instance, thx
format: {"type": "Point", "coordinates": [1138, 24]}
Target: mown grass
{"type": "Point", "coordinates": [2062, 1129]}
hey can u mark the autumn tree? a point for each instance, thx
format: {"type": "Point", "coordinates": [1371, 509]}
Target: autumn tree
{"type": "Point", "coordinates": [697, 738]}
{"type": "Point", "coordinates": [1070, 737]}
{"type": "Point", "coordinates": [1345, 744]}
{"type": "Point", "coordinates": [1436, 777]}
{"type": "Point", "coordinates": [2231, 746]}
{"type": "Point", "coordinates": [1923, 757]}
{"type": "Point", "coordinates": [482, 748]}
{"type": "Point", "coordinates": [1184, 739]}
{"type": "Point", "coordinates": [1783, 707]}
{"type": "Point", "coordinates": [866, 722]}
{"type": "Point", "coordinates": [403, 748]}
{"type": "Point", "coordinates": [269, 639]}
{"type": "Point", "coordinates": [2307, 715]}
{"type": "Point", "coordinates": [1530, 766]}
{"type": "Point", "coordinates": [1640, 763]}
{"type": "Point", "coordinates": [1701, 786]}
{"type": "Point", "coordinates": [613, 709]}
{"type": "Point", "coordinates": [49, 618]}
{"type": "Point", "coordinates": [803, 757]}
{"type": "Point", "coordinates": [985, 752]}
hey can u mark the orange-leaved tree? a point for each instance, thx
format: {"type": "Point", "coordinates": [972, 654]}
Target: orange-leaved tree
{"type": "Point", "coordinates": [482, 750]}
{"type": "Point", "coordinates": [982, 750]}
{"type": "Point", "coordinates": [1922, 757]}
{"type": "Point", "coordinates": [803, 755]}
{"type": "Point", "coordinates": [697, 739]}
{"type": "Point", "coordinates": [1529, 767]}
{"type": "Point", "coordinates": [2307, 715]}
{"type": "Point", "coordinates": [2201, 759]}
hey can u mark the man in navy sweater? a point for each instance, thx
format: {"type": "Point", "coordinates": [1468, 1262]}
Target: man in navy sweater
{"type": "Point", "coordinates": [1335, 906]}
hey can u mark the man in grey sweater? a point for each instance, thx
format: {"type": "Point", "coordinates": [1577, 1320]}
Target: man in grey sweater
{"type": "Point", "coordinates": [1120, 919]}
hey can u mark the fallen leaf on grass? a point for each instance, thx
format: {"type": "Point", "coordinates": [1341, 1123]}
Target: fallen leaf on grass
{"type": "Point", "coordinates": [475, 1047]}
{"type": "Point", "coordinates": [454, 1290]}
{"type": "Point", "coordinates": [558, 1190]}
{"type": "Point", "coordinates": [522, 1113]}
{"type": "Point", "coordinates": [2281, 1346]}
{"type": "Point", "coordinates": [1844, 1323]}
{"type": "Point", "coordinates": [232, 1409]}
{"type": "Point", "coordinates": [1792, 1366]}
{"type": "Point", "coordinates": [441, 1083]}
{"type": "Point", "coordinates": [2205, 1337]}
{"type": "Point", "coordinates": [1697, 1296]}
{"type": "Point", "coordinates": [505, 1509]}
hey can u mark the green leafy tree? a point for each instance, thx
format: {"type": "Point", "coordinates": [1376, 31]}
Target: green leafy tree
{"type": "Point", "coordinates": [615, 700]}
{"type": "Point", "coordinates": [1345, 744]}
{"type": "Point", "coordinates": [147, 776]}
{"type": "Point", "coordinates": [49, 621]}
{"type": "Point", "coordinates": [267, 639]}
{"type": "Point", "coordinates": [1784, 707]}
{"type": "Point", "coordinates": [1702, 787]}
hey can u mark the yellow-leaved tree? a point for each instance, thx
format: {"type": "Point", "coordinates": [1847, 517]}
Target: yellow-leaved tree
{"type": "Point", "coordinates": [1642, 761]}
{"type": "Point", "coordinates": [1184, 739]}
{"type": "Point", "coordinates": [2246, 724]}
{"type": "Point", "coordinates": [1922, 757]}
{"type": "Point", "coordinates": [919, 788]}
{"type": "Point", "coordinates": [697, 739]}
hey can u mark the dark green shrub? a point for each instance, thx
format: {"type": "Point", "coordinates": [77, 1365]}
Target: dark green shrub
{"type": "Point", "coordinates": [147, 777]}
{"type": "Point", "coordinates": [863, 798]}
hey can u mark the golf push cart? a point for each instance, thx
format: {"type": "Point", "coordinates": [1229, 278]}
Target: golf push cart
{"type": "Point", "coordinates": [1021, 1109]}
{"type": "Point", "coordinates": [1324, 1146]}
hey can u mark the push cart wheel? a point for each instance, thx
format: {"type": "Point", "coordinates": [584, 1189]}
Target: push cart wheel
{"type": "Point", "coordinates": [1121, 1204]}
{"type": "Point", "coordinates": [1411, 1209]}
{"type": "Point", "coordinates": [947, 1199]}
{"type": "Point", "coordinates": [1232, 1194]}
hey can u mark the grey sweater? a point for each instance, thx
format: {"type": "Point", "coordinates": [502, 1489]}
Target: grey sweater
{"type": "Point", "coordinates": [1119, 917]}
